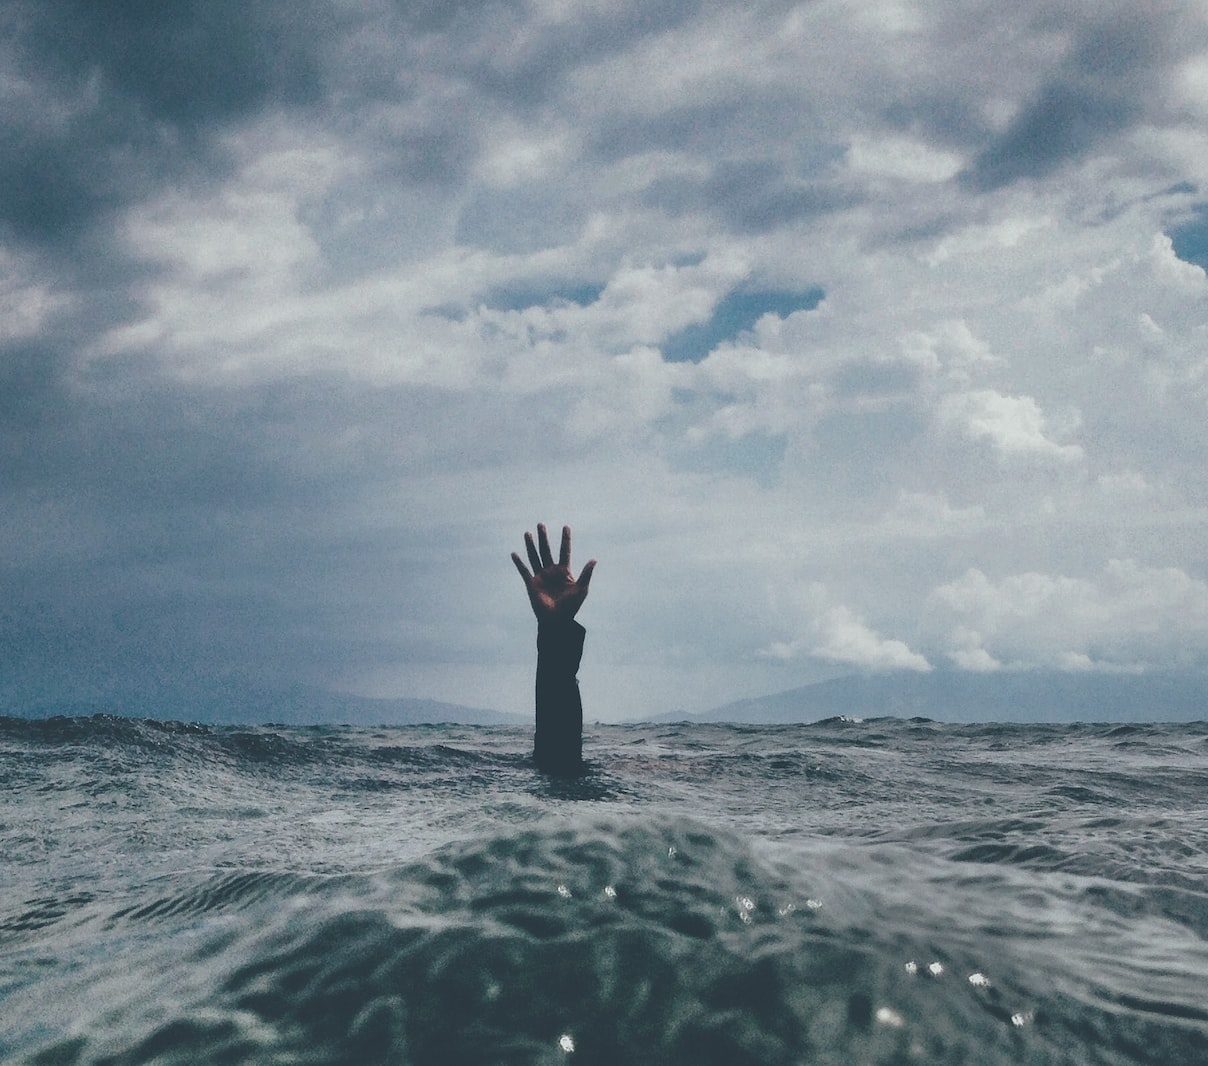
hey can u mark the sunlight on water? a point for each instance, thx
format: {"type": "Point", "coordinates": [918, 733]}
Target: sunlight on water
{"type": "Point", "coordinates": [889, 1016]}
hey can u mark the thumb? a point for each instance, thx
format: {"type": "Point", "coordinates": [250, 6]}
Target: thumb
{"type": "Point", "coordinates": [524, 573]}
{"type": "Point", "coordinates": [585, 576]}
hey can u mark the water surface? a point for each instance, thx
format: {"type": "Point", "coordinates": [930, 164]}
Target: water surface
{"type": "Point", "coordinates": [882, 891]}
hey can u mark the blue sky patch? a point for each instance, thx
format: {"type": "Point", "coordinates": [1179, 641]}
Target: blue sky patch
{"type": "Point", "coordinates": [1190, 240]}
{"type": "Point", "coordinates": [518, 298]}
{"type": "Point", "coordinates": [735, 314]}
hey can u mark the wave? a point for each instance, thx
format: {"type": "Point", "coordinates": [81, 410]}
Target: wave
{"type": "Point", "coordinates": [252, 749]}
{"type": "Point", "coordinates": [630, 940]}
{"type": "Point", "coordinates": [194, 894]}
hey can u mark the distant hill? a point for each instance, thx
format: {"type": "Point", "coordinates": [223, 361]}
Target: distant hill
{"type": "Point", "coordinates": [950, 696]}
{"type": "Point", "coordinates": [297, 705]}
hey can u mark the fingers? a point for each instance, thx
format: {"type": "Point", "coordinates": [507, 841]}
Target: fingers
{"type": "Point", "coordinates": [534, 558]}
{"type": "Point", "coordinates": [539, 553]}
{"type": "Point", "coordinates": [524, 573]}
{"type": "Point", "coordinates": [585, 576]}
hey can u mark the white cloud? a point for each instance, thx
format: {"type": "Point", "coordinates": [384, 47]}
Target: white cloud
{"type": "Point", "coordinates": [951, 348]}
{"type": "Point", "coordinates": [900, 157]}
{"type": "Point", "coordinates": [1014, 425]}
{"type": "Point", "coordinates": [839, 635]}
{"type": "Point", "coordinates": [1127, 616]}
{"type": "Point", "coordinates": [975, 660]}
{"type": "Point", "coordinates": [846, 638]}
{"type": "Point", "coordinates": [967, 652]}
{"type": "Point", "coordinates": [25, 303]}
{"type": "Point", "coordinates": [646, 304]}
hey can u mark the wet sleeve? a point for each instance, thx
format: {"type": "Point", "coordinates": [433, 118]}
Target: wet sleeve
{"type": "Point", "coordinates": [558, 744]}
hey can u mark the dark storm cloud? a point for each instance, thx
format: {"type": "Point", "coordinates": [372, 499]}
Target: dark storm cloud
{"type": "Point", "coordinates": [186, 63]}
{"type": "Point", "coordinates": [1064, 122]}
{"type": "Point", "coordinates": [119, 97]}
{"type": "Point", "coordinates": [949, 116]}
{"type": "Point", "coordinates": [158, 529]}
{"type": "Point", "coordinates": [1110, 77]}
{"type": "Point", "coordinates": [754, 122]}
{"type": "Point", "coordinates": [155, 530]}
{"type": "Point", "coordinates": [750, 196]}
{"type": "Point", "coordinates": [519, 221]}
{"type": "Point", "coordinates": [500, 51]}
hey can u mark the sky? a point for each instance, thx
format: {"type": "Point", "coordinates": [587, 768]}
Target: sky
{"type": "Point", "coordinates": [848, 336]}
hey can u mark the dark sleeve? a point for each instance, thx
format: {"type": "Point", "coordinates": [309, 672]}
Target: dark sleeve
{"type": "Point", "coordinates": [558, 745]}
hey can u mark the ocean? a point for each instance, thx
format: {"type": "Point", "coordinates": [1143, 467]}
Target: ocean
{"type": "Point", "coordinates": [880, 891]}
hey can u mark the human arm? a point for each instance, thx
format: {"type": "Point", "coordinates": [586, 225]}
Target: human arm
{"type": "Point", "coordinates": [556, 596]}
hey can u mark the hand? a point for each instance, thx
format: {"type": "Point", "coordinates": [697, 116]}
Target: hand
{"type": "Point", "coordinates": [553, 591]}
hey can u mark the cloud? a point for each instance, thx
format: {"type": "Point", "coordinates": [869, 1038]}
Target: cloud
{"type": "Point", "coordinates": [736, 313]}
{"type": "Point", "coordinates": [1127, 616]}
{"type": "Point", "coordinates": [1108, 78]}
{"type": "Point", "coordinates": [109, 104]}
{"type": "Point", "coordinates": [921, 514]}
{"type": "Point", "coordinates": [901, 157]}
{"type": "Point", "coordinates": [1014, 425]}
{"type": "Point", "coordinates": [846, 638]}
{"type": "Point", "coordinates": [975, 660]}
{"type": "Point", "coordinates": [836, 634]}
{"type": "Point", "coordinates": [305, 307]}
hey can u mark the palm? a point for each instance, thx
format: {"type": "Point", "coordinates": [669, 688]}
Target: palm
{"type": "Point", "coordinates": [553, 590]}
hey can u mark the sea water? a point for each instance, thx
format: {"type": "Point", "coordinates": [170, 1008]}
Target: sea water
{"type": "Point", "coordinates": [884, 891]}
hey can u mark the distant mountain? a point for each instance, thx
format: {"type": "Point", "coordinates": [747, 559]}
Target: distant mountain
{"type": "Point", "coordinates": [297, 705]}
{"type": "Point", "coordinates": [950, 696]}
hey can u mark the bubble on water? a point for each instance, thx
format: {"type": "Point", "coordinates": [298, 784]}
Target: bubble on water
{"type": "Point", "coordinates": [1021, 1018]}
{"type": "Point", "coordinates": [912, 967]}
{"type": "Point", "coordinates": [813, 904]}
{"type": "Point", "coordinates": [979, 980]}
{"type": "Point", "coordinates": [564, 892]}
{"type": "Point", "coordinates": [786, 910]}
{"type": "Point", "coordinates": [610, 892]}
{"type": "Point", "coordinates": [745, 903]}
{"type": "Point", "coordinates": [566, 1042]}
{"type": "Point", "coordinates": [889, 1016]}
{"type": "Point", "coordinates": [935, 968]}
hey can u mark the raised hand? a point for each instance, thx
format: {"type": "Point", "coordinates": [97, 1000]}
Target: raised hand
{"type": "Point", "coordinates": [556, 595]}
